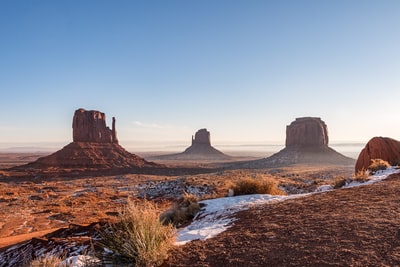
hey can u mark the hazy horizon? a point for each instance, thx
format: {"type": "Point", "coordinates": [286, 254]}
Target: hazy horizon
{"type": "Point", "coordinates": [260, 149]}
{"type": "Point", "coordinates": [242, 69]}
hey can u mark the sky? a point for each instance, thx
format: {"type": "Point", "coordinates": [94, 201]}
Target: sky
{"type": "Point", "coordinates": [242, 69]}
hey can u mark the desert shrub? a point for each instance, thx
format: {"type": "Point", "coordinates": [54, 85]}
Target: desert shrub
{"type": "Point", "coordinates": [182, 212]}
{"type": "Point", "coordinates": [361, 176]}
{"type": "Point", "coordinates": [139, 236]}
{"type": "Point", "coordinates": [49, 260]}
{"type": "Point", "coordinates": [339, 182]}
{"type": "Point", "coordinates": [378, 165]}
{"type": "Point", "coordinates": [247, 186]}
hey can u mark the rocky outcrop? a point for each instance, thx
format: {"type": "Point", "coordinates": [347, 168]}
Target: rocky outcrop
{"type": "Point", "coordinates": [200, 149]}
{"type": "Point", "coordinates": [90, 126]}
{"type": "Point", "coordinates": [94, 148]}
{"type": "Point", "coordinates": [307, 132]}
{"type": "Point", "coordinates": [384, 148]}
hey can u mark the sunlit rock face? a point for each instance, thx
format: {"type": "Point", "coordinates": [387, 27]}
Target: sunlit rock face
{"type": "Point", "coordinates": [384, 148]}
{"type": "Point", "coordinates": [90, 126]}
{"type": "Point", "coordinates": [307, 131]}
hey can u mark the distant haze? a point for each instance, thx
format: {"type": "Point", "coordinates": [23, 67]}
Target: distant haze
{"type": "Point", "coordinates": [235, 149]}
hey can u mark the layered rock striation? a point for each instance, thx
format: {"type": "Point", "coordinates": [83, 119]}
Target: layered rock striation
{"type": "Point", "coordinates": [384, 148]}
{"type": "Point", "coordinates": [94, 148]}
{"type": "Point", "coordinates": [201, 149]}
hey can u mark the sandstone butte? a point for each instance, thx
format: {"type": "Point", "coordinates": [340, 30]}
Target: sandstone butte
{"type": "Point", "coordinates": [384, 148]}
{"type": "Point", "coordinates": [95, 147]}
{"type": "Point", "coordinates": [307, 142]}
{"type": "Point", "coordinates": [201, 149]}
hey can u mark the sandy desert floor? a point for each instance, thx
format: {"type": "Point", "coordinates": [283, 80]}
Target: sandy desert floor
{"type": "Point", "coordinates": [29, 206]}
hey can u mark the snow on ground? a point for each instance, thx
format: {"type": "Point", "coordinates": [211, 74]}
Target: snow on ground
{"type": "Point", "coordinates": [218, 214]}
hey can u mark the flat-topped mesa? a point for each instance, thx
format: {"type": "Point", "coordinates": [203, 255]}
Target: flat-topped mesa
{"type": "Point", "coordinates": [307, 132]}
{"type": "Point", "coordinates": [202, 137]}
{"type": "Point", "coordinates": [90, 126]}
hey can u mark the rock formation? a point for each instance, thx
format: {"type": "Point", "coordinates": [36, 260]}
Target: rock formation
{"type": "Point", "coordinates": [307, 131]}
{"type": "Point", "coordinates": [384, 148]}
{"type": "Point", "coordinates": [200, 149]}
{"type": "Point", "coordinates": [94, 148]}
{"type": "Point", "coordinates": [202, 137]}
{"type": "Point", "coordinates": [90, 126]}
{"type": "Point", "coordinates": [306, 143]}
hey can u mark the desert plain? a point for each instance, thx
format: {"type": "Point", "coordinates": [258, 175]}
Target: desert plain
{"type": "Point", "coordinates": [57, 203]}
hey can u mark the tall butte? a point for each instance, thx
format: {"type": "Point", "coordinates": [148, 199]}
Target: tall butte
{"type": "Point", "coordinates": [94, 148]}
{"type": "Point", "coordinates": [306, 143]}
{"type": "Point", "coordinates": [200, 149]}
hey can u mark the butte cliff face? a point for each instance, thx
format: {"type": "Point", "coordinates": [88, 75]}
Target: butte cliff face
{"type": "Point", "coordinates": [94, 148]}
{"type": "Point", "coordinates": [200, 149]}
{"type": "Point", "coordinates": [384, 148]}
{"type": "Point", "coordinates": [90, 126]}
{"type": "Point", "coordinates": [307, 132]}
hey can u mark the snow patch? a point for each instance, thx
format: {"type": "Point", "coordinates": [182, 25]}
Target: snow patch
{"type": "Point", "coordinates": [81, 261]}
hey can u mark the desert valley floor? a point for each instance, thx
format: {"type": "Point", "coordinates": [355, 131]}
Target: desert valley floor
{"type": "Point", "coordinates": [343, 227]}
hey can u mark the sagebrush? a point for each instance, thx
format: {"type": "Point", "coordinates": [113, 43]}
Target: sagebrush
{"type": "Point", "coordinates": [49, 260]}
{"type": "Point", "coordinates": [248, 185]}
{"type": "Point", "coordinates": [378, 165]}
{"type": "Point", "coordinates": [182, 212]}
{"type": "Point", "coordinates": [139, 236]}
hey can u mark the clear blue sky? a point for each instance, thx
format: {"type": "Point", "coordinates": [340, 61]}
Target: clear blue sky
{"type": "Point", "coordinates": [242, 69]}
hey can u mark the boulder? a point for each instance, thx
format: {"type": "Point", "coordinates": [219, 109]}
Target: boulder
{"type": "Point", "coordinates": [307, 131]}
{"type": "Point", "coordinates": [384, 148]}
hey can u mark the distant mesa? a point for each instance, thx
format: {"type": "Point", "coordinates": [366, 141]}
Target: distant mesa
{"type": "Point", "coordinates": [200, 149]}
{"type": "Point", "coordinates": [306, 143]}
{"type": "Point", "coordinates": [95, 147]}
{"type": "Point", "coordinates": [384, 148]}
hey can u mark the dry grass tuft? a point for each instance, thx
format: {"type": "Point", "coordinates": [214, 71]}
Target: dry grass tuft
{"type": "Point", "coordinates": [49, 260]}
{"type": "Point", "coordinates": [139, 235]}
{"type": "Point", "coordinates": [182, 212]}
{"type": "Point", "coordinates": [378, 165]}
{"type": "Point", "coordinates": [248, 186]}
{"type": "Point", "coordinates": [361, 176]}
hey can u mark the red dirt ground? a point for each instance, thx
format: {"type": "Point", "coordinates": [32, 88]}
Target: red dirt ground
{"type": "Point", "coordinates": [348, 227]}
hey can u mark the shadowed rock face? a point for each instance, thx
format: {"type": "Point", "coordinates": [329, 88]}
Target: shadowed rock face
{"type": "Point", "coordinates": [307, 131]}
{"type": "Point", "coordinates": [384, 148]}
{"type": "Point", "coordinates": [90, 126]}
{"type": "Point", "coordinates": [202, 137]}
